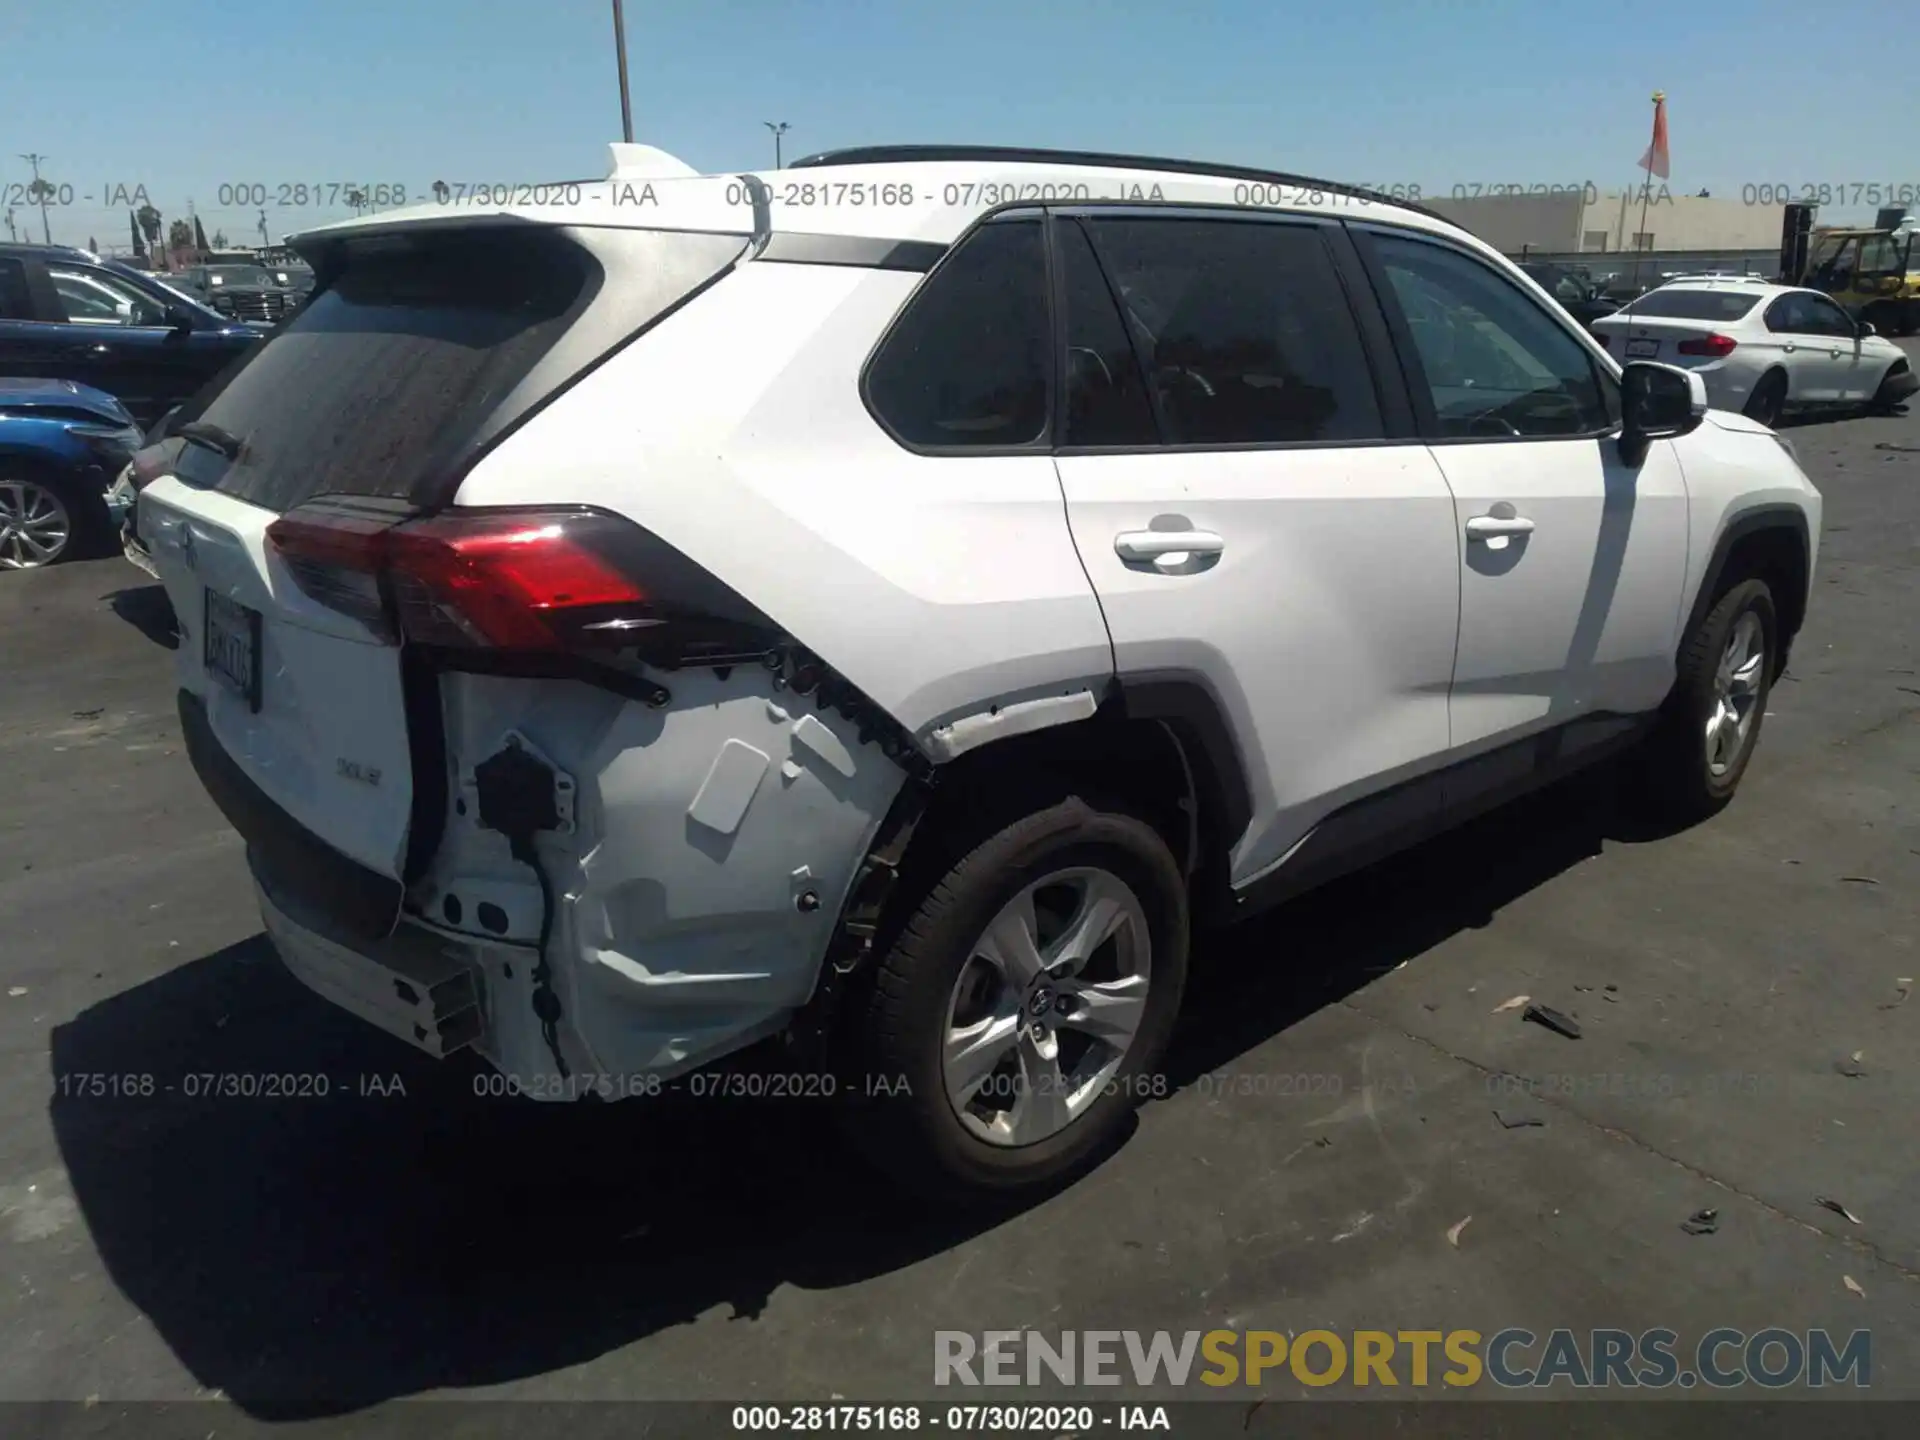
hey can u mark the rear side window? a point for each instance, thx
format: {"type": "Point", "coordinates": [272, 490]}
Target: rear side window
{"type": "Point", "coordinates": [1721, 305]}
{"type": "Point", "coordinates": [1243, 328]}
{"type": "Point", "coordinates": [965, 365]}
{"type": "Point", "coordinates": [382, 379]}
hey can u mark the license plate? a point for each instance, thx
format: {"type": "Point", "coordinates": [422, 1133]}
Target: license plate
{"type": "Point", "coordinates": [232, 647]}
{"type": "Point", "coordinates": [1639, 349]}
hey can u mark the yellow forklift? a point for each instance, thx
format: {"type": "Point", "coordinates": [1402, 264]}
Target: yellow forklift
{"type": "Point", "coordinates": [1872, 270]}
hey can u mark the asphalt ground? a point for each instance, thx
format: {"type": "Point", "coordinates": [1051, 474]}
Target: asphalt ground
{"type": "Point", "coordinates": [1332, 1114]}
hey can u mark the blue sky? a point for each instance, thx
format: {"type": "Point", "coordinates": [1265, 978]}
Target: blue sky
{"type": "Point", "coordinates": [186, 96]}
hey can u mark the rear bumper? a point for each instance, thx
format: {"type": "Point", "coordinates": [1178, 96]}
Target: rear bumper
{"type": "Point", "coordinates": [412, 985]}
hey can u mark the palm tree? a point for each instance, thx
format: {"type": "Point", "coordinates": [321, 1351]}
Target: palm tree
{"type": "Point", "coordinates": [149, 219]}
{"type": "Point", "coordinates": [357, 199]}
{"type": "Point", "coordinates": [219, 239]}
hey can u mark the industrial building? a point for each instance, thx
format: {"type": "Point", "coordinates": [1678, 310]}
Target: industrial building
{"type": "Point", "coordinates": [1673, 228]}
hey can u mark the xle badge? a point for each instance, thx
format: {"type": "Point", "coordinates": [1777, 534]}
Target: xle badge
{"type": "Point", "coordinates": [354, 770]}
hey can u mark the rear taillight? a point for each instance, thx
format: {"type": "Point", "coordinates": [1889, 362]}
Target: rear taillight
{"type": "Point", "coordinates": [1714, 345]}
{"type": "Point", "coordinates": [506, 581]}
{"type": "Point", "coordinates": [524, 582]}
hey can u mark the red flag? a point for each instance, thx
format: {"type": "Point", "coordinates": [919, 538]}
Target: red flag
{"type": "Point", "coordinates": [1654, 162]}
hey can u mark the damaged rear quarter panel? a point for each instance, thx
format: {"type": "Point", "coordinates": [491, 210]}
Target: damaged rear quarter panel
{"type": "Point", "coordinates": [681, 932]}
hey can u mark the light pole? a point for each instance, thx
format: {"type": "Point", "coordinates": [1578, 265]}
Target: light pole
{"type": "Point", "coordinates": [39, 192]}
{"type": "Point", "coordinates": [778, 131]}
{"type": "Point", "coordinates": [620, 47]}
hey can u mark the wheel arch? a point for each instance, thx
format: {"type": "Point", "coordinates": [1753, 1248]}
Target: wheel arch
{"type": "Point", "coordinates": [1161, 741]}
{"type": "Point", "coordinates": [1768, 542]}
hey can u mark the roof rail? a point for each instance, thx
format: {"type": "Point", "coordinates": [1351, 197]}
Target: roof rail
{"type": "Point", "coordinates": [1019, 155]}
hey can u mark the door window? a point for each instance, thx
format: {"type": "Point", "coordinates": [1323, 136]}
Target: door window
{"type": "Point", "coordinates": [1823, 317]}
{"type": "Point", "coordinates": [89, 297]}
{"type": "Point", "coordinates": [965, 365]}
{"type": "Point", "coordinates": [1106, 396]}
{"type": "Point", "coordinates": [1494, 363]}
{"type": "Point", "coordinates": [1243, 329]}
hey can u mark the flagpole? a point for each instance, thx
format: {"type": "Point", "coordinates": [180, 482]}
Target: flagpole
{"type": "Point", "coordinates": [1646, 190]}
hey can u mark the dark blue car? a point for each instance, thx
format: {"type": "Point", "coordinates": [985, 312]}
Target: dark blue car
{"type": "Point", "coordinates": [70, 315]}
{"type": "Point", "coordinates": [62, 446]}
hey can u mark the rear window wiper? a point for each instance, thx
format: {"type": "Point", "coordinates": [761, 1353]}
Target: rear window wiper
{"type": "Point", "coordinates": [223, 442]}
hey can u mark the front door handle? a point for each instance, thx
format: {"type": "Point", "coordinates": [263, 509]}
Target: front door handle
{"type": "Point", "coordinates": [88, 352]}
{"type": "Point", "coordinates": [1788, 348]}
{"type": "Point", "coordinates": [1134, 545]}
{"type": "Point", "coordinates": [1487, 527]}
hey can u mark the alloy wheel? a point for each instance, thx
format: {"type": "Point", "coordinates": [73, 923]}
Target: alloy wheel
{"type": "Point", "coordinates": [35, 528]}
{"type": "Point", "coordinates": [1047, 1006]}
{"type": "Point", "coordinates": [1736, 694]}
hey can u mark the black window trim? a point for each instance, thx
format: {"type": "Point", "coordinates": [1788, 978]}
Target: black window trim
{"type": "Point", "coordinates": [1018, 213]}
{"type": "Point", "coordinates": [1414, 371]}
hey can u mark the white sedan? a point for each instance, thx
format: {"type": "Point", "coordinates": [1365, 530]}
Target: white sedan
{"type": "Point", "coordinates": [1762, 349]}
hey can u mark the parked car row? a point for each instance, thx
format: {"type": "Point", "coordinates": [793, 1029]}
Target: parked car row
{"type": "Point", "coordinates": [62, 448]}
{"type": "Point", "coordinates": [1762, 349]}
{"type": "Point", "coordinates": [92, 354]}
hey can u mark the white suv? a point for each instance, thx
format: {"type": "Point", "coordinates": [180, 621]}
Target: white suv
{"type": "Point", "coordinates": [887, 602]}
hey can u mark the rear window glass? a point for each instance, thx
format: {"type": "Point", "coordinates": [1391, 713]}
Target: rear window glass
{"type": "Point", "coordinates": [385, 376]}
{"type": "Point", "coordinates": [1695, 304]}
{"type": "Point", "coordinates": [966, 364]}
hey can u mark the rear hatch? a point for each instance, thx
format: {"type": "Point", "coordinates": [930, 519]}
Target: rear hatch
{"type": "Point", "coordinates": [417, 352]}
{"type": "Point", "coordinates": [1677, 327]}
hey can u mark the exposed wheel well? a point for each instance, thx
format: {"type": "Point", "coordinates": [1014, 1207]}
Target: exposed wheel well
{"type": "Point", "coordinates": [1778, 555]}
{"type": "Point", "coordinates": [1131, 760]}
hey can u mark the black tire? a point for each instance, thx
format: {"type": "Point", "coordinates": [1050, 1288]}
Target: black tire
{"type": "Point", "coordinates": [910, 1128]}
{"type": "Point", "coordinates": [1678, 780]}
{"type": "Point", "coordinates": [1883, 401]}
{"type": "Point", "coordinates": [84, 516]}
{"type": "Point", "coordinates": [1769, 399]}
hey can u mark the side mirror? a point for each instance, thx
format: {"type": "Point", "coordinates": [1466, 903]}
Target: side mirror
{"type": "Point", "coordinates": [179, 318]}
{"type": "Point", "coordinates": [1866, 329]}
{"type": "Point", "coordinates": [1657, 402]}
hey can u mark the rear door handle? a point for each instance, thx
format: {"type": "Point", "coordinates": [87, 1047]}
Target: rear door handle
{"type": "Point", "coordinates": [1152, 544]}
{"type": "Point", "coordinates": [1486, 527]}
{"type": "Point", "coordinates": [87, 352]}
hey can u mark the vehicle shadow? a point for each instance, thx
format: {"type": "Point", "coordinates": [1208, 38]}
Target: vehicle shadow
{"type": "Point", "coordinates": [316, 1254]}
{"type": "Point", "coordinates": [148, 609]}
{"type": "Point", "coordinates": [1260, 978]}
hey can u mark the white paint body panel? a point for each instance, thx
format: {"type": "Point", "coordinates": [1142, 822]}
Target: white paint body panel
{"type": "Point", "coordinates": [329, 692]}
{"type": "Point", "coordinates": [1581, 616]}
{"type": "Point", "coordinates": [936, 585]}
{"type": "Point", "coordinates": [1326, 627]}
